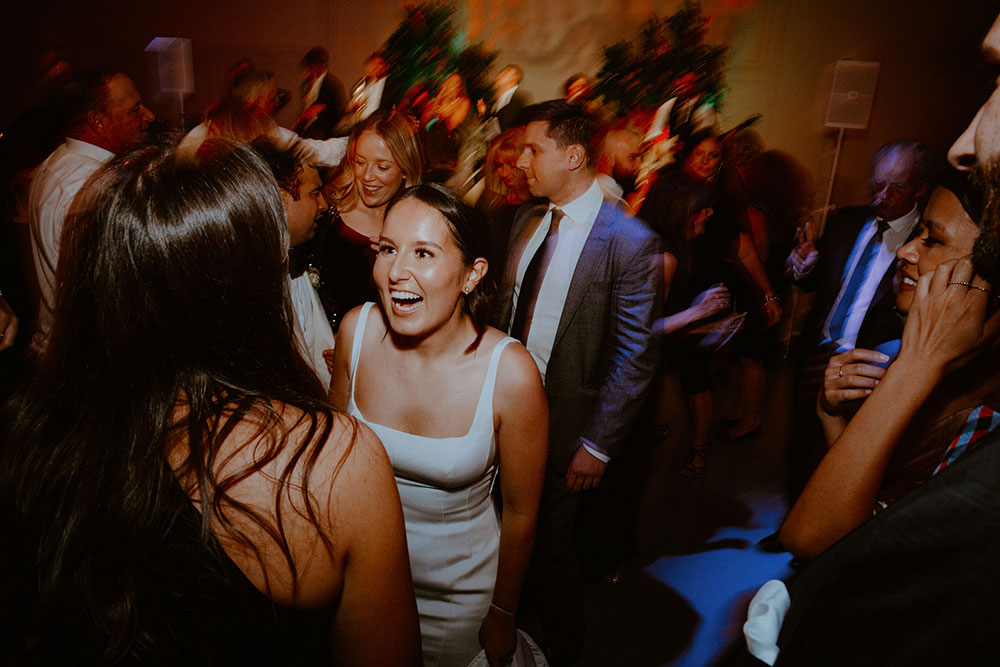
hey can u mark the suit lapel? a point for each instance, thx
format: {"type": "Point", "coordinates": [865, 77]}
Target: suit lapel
{"type": "Point", "coordinates": [591, 267]}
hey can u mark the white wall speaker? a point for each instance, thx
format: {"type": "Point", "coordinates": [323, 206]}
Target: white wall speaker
{"type": "Point", "coordinates": [852, 95]}
{"type": "Point", "coordinates": [174, 66]}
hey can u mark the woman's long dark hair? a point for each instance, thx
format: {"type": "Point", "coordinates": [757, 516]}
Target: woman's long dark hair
{"type": "Point", "coordinates": [174, 325]}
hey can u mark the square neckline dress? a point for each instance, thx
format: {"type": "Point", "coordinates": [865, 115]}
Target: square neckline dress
{"type": "Point", "coordinates": [452, 525]}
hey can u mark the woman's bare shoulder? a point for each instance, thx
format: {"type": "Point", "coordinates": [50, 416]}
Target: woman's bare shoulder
{"type": "Point", "coordinates": [517, 375]}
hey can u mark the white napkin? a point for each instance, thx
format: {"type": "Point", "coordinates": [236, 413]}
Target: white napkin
{"type": "Point", "coordinates": [764, 618]}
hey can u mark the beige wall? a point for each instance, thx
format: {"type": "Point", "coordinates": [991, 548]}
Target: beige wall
{"type": "Point", "coordinates": [781, 59]}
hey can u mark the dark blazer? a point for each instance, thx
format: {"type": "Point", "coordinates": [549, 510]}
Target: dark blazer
{"type": "Point", "coordinates": [604, 354]}
{"type": "Point", "coordinates": [507, 117]}
{"type": "Point", "coordinates": [333, 96]}
{"type": "Point", "coordinates": [919, 584]}
{"type": "Point", "coordinates": [881, 323]}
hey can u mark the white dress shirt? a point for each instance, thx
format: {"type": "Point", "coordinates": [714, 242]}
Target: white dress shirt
{"type": "Point", "coordinates": [897, 233]}
{"type": "Point", "coordinates": [574, 229]}
{"type": "Point", "coordinates": [313, 94]}
{"type": "Point", "coordinates": [312, 329]}
{"type": "Point", "coordinates": [504, 99]}
{"type": "Point", "coordinates": [373, 97]}
{"type": "Point", "coordinates": [54, 187]}
{"type": "Point", "coordinates": [315, 153]}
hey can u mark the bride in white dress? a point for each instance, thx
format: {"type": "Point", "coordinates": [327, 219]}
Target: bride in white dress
{"type": "Point", "coordinates": [456, 404]}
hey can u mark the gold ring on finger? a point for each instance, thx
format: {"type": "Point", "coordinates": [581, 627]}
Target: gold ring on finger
{"type": "Point", "coordinates": [959, 282]}
{"type": "Point", "coordinates": [980, 288]}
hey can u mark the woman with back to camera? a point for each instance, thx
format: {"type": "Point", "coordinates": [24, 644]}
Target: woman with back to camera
{"type": "Point", "coordinates": [383, 156]}
{"type": "Point", "coordinates": [901, 439]}
{"type": "Point", "coordinates": [464, 398]}
{"type": "Point", "coordinates": [177, 485]}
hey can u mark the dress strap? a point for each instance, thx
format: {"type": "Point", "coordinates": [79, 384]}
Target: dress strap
{"type": "Point", "coordinates": [359, 334]}
{"type": "Point", "coordinates": [485, 406]}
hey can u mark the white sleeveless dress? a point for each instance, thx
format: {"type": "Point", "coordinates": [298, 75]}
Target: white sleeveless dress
{"type": "Point", "coordinates": [452, 528]}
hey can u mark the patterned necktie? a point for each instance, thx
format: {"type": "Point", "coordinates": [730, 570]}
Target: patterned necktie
{"type": "Point", "coordinates": [531, 283]}
{"type": "Point", "coordinates": [838, 323]}
{"type": "Point", "coordinates": [981, 422]}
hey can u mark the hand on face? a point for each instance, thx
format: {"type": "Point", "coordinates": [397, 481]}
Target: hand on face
{"type": "Point", "coordinates": [946, 233]}
{"type": "Point", "coordinates": [947, 323]}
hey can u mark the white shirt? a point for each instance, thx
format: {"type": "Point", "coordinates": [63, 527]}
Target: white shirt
{"type": "Point", "coordinates": [312, 329]}
{"type": "Point", "coordinates": [316, 153]}
{"type": "Point", "coordinates": [53, 190]}
{"type": "Point", "coordinates": [574, 229]}
{"type": "Point", "coordinates": [504, 99]}
{"type": "Point", "coordinates": [610, 187]}
{"type": "Point", "coordinates": [313, 94]}
{"type": "Point", "coordinates": [373, 97]}
{"type": "Point", "coordinates": [897, 233]}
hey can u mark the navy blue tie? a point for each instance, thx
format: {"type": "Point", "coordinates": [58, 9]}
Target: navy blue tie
{"type": "Point", "coordinates": [838, 323]}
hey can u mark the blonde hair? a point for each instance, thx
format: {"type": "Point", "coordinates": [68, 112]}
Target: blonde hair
{"type": "Point", "coordinates": [396, 130]}
{"type": "Point", "coordinates": [504, 148]}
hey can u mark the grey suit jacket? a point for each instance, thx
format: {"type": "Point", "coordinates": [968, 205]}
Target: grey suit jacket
{"type": "Point", "coordinates": [604, 354]}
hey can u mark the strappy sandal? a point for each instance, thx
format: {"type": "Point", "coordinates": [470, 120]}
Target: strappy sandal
{"type": "Point", "coordinates": [696, 466]}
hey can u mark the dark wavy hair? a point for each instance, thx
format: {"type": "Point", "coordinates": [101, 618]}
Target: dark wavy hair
{"type": "Point", "coordinates": [174, 326]}
{"type": "Point", "coordinates": [471, 234]}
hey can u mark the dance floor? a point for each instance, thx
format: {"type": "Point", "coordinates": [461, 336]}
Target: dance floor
{"type": "Point", "coordinates": [683, 598]}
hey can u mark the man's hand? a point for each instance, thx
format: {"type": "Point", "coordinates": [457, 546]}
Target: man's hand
{"type": "Point", "coordinates": [804, 255]}
{"type": "Point", "coordinates": [585, 470]}
{"type": "Point", "coordinates": [8, 325]}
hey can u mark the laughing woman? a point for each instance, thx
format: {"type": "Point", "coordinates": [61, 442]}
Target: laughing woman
{"type": "Point", "coordinates": [914, 409]}
{"type": "Point", "coordinates": [456, 404]}
{"type": "Point", "coordinates": [384, 156]}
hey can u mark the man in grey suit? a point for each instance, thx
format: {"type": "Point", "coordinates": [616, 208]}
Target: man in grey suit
{"type": "Point", "coordinates": [582, 289]}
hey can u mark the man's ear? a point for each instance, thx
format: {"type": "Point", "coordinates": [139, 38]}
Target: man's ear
{"type": "Point", "coordinates": [576, 156]}
{"type": "Point", "coordinates": [95, 119]}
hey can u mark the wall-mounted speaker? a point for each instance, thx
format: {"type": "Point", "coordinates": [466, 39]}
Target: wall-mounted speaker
{"type": "Point", "coordinates": [852, 95]}
{"type": "Point", "coordinates": [174, 68]}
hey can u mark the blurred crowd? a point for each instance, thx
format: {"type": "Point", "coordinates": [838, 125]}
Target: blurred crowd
{"type": "Point", "coordinates": [397, 365]}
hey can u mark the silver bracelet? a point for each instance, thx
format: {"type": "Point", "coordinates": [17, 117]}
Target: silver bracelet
{"type": "Point", "coordinates": [501, 609]}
